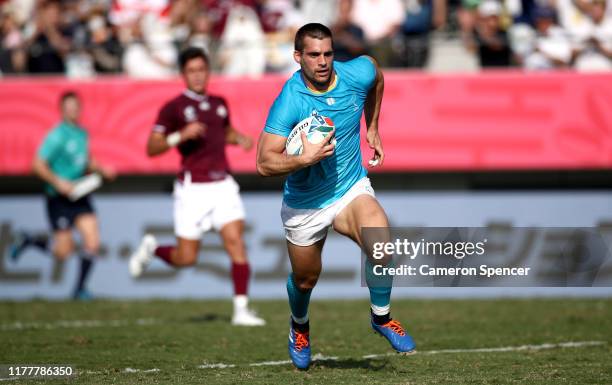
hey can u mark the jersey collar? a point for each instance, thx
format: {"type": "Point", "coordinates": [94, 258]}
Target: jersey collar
{"type": "Point", "coordinates": [71, 126]}
{"type": "Point", "coordinates": [194, 95]}
{"type": "Point", "coordinates": [330, 88]}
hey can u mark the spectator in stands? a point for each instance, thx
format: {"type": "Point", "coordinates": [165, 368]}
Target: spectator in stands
{"type": "Point", "coordinates": [242, 44]}
{"type": "Point", "coordinates": [280, 19]}
{"type": "Point", "coordinates": [146, 34]}
{"type": "Point", "coordinates": [325, 12]}
{"type": "Point", "coordinates": [421, 17]}
{"type": "Point", "coordinates": [22, 10]}
{"type": "Point", "coordinates": [12, 57]}
{"type": "Point", "coordinates": [48, 45]}
{"type": "Point", "coordinates": [595, 52]}
{"type": "Point", "coordinates": [200, 32]}
{"type": "Point", "coordinates": [104, 46]}
{"type": "Point", "coordinates": [349, 40]}
{"type": "Point", "coordinates": [151, 53]}
{"type": "Point", "coordinates": [381, 21]}
{"type": "Point", "coordinates": [490, 41]}
{"type": "Point", "coordinates": [467, 16]}
{"type": "Point", "coordinates": [128, 12]}
{"type": "Point", "coordinates": [218, 11]}
{"type": "Point", "coordinates": [182, 12]}
{"type": "Point", "coordinates": [545, 48]}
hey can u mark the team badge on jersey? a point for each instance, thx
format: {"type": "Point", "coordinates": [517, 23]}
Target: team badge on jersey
{"type": "Point", "coordinates": [190, 114]}
{"type": "Point", "coordinates": [330, 101]}
{"type": "Point", "coordinates": [222, 111]}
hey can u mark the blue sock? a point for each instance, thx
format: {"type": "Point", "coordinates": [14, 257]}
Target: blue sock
{"type": "Point", "coordinates": [298, 301]}
{"type": "Point", "coordinates": [380, 291]}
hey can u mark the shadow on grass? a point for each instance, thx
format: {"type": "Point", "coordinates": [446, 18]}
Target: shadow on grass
{"type": "Point", "coordinates": [209, 317]}
{"type": "Point", "coordinates": [352, 363]}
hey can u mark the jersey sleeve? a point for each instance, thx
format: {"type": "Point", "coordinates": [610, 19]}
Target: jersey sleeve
{"type": "Point", "coordinates": [226, 119]}
{"type": "Point", "coordinates": [362, 71]}
{"type": "Point", "coordinates": [282, 116]}
{"type": "Point", "coordinates": [50, 145]}
{"type": "Point", "coordinates": [166, 122]}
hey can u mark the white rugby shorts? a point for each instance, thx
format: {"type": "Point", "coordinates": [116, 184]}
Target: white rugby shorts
{"type": "Point", "coordinates": [200, 207]}
{"type": "Point", "coordinates": [304, 227]}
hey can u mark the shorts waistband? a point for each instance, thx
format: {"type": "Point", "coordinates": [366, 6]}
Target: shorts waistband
{"type": "Point", "coordinates": [185, 177]}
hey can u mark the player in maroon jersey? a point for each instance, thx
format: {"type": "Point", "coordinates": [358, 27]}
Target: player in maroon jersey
{"type": "Point", "coordinates": [205, 194]}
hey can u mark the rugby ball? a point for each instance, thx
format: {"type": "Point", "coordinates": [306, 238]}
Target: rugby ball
{"type": "Point", "coordinates": [317, 128]}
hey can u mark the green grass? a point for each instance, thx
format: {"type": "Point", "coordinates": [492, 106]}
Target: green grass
{"type": "Point", "coordinates": [191, 333]}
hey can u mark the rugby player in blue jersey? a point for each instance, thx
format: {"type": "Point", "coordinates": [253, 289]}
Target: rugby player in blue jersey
{"type": "Point", "coordinates": [327, 184]}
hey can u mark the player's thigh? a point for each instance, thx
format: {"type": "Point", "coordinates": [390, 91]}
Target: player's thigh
{"type": "Point", "coordinates": [231, 235]}
{"type": "Point", "coordinates": [187, 251]}
{"type": "Point", "coordinates": [363, 211]}
{"type": "Point", "coordinates": [87, 226]}
{"type": "Point", "coordinates": [306, 263]}
{"type": "Point", "coordinates": [63, 244]}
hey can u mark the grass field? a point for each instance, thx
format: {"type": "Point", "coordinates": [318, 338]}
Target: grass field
{"type": "Point", "coordinates": [177, 342]}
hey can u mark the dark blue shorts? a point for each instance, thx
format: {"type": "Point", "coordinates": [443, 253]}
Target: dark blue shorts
{"type": "Point", "coordinates": [62, 212]}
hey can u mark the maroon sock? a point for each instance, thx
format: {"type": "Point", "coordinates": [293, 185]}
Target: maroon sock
{"type": "Point", "coordinates": [165, 253]}
{"type": "Point", "coordinates": [240, 275]}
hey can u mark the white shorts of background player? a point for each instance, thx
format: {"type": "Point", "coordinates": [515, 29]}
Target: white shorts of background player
{"type": "Point", "coordinates": [200, 207]}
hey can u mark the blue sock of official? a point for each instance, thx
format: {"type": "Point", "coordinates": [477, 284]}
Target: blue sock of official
{"type": "Point", "coordinates": [86, 264]}
{"type": "Point", "coordinates": [380, 295]}
{"type": "Point", "coordinates": [298, 301]}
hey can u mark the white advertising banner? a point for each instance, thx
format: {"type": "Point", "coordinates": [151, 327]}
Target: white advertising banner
{"type": "Point", "coordinates": [124, 218]}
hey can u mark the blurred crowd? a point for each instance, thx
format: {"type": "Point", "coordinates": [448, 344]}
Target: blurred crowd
{"type": "Point", "coordinates": [142, 38]}
{"type": "Point", "coordinates": [539, 34]}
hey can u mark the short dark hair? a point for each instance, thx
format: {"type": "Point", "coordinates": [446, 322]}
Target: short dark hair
{"type": "Point", "coordinates": [69, 94]}
{"type": "Point", "coordinates": [192, 53]}
{"type": "Point", "coordinates": [313, 30]}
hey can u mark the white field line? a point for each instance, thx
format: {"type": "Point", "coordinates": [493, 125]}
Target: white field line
{"type": "Point", "coordinates": [132, 370]}
{"type": "Point", "coordinates": [76, 324]}
{"type": "Point", "coordinates": [319, 357]}
{"type": "Point", "coordinates": [216, 366]}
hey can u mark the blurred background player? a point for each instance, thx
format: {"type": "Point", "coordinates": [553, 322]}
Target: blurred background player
{"type": "Point", "coordinates": [327, 184]}
{"type": "Point", "coordinates": [206, 196]}
{"type": "Point", "coordinates": [61, 160]}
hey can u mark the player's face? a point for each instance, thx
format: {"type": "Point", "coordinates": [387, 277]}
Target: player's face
{"type": "Point", "coordinates": [71, 109]}
{"type": "Point", "coordinates": [195, 74]}
{"type": "Point", "coordinates": [316, 61]}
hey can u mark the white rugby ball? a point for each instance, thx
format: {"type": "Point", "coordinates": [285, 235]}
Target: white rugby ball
{"type": "Point", "coordinates": [317, 128]}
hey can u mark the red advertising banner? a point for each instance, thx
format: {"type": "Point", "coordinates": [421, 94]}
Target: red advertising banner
{"type": "Point", "coordinates": [487, 121]}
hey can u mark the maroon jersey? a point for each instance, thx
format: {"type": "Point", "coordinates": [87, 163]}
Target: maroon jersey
{"type": "Point", "coordinates": [204, 158]}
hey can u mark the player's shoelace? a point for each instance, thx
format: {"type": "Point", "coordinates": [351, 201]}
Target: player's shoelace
{"type": "Point", "coordinates": [301, 340]}
{"type": "Point", "coordinates": [395, 327]}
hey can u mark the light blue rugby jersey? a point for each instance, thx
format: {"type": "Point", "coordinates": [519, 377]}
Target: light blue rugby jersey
{"type": "Point", "coordinates": [323, 183]}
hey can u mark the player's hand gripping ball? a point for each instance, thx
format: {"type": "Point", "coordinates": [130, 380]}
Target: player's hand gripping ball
{"type": "Point", "coordinates": [317, 129]}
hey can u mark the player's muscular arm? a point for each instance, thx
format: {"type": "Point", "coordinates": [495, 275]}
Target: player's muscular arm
{"type": "Point", "coordinates": [372, 113]}
{"type": "Point", "coordinates": [159, 143]}
{"type": "Point", "coordinates": [273, 161]}
{"type": "Point", "coordinates": [42, 170]}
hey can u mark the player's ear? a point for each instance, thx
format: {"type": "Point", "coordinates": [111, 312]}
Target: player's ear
{"type": "Point", "coordinates": [297, 56]}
